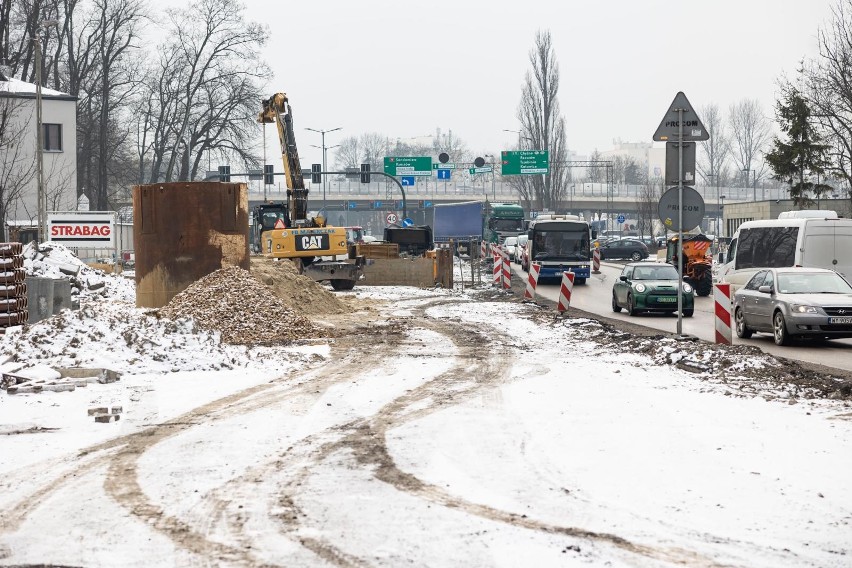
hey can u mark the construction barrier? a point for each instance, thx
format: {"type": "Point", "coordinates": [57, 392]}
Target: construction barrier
{"type": "Point", "coordinates": [483, 249]}
{"type": "Point", "coordinates": [532, 281]}
{"type": "Point", "coordinates": [596, 261]}
{"type": "Point", "coordinates": [722, 299]}
{"type": "Point", "coordinates": [565, 292]}
{"type": "Point", "coordinates": [507, 273]}
{"type": "Point", "coordinates": [498, 270]}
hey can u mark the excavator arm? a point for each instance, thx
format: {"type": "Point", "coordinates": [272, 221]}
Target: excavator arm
{"type": "Point", "coordinates": [277, 110]}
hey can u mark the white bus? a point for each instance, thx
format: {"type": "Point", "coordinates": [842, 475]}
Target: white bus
{"type": "Point", "coordinates": [814, 239]}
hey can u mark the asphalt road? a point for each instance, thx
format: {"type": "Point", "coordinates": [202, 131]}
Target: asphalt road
{"type": "Point", "coordinates": [596, 297]}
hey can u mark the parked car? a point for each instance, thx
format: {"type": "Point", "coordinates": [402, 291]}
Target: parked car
{"type": "Point", "coordinates": [794, 302]}
{"type": "Point", "coordinates": [509, 245]}
{"type": "Point", "coordinates": [624, 248]}
{"type": "Point", "coordinates": [651, 287]}
{"type": "Point", "coordinates": [521, 248]}
{"type": "Point", "coordinates": [601, 240]}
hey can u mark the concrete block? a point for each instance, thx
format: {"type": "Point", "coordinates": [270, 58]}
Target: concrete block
{"type": "Point", "coordinates": [39, 298]}
{"type": "Point", "coordinates": [62, 295]}
{"type": "Point", "coordinates": [108, 418]}
{"type": "Point", "coordinates": [98, 410]}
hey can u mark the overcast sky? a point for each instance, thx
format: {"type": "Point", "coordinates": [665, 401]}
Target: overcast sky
{"type": "Point", "coordinates": [405, 68]}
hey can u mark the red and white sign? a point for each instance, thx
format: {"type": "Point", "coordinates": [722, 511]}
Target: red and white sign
{"type": "Point", "coordinates": [391, 218]}
{"type": "Point", "coordinates": [90, 229]}
{"type": "Point", "coordinates": [722, 299]}
{"type": "Point", "coordinates": [596, 261]}
{"type": "Point", "coordinates": [507, 273]}
{"type": "Point", "coordinates": [498, 270]}
{"type": "Point", "coordinates": [532, 281]}
{"type": "Point", "coordinates": [565, 292]}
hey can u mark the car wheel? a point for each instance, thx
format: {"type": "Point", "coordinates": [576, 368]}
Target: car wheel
{"type": "Point", "coordinates": [631, 307]}
{"type": "Point", "coordinates": [779, 329]}
{"type": "Point", "coordinates": [615, 307]}
{"type": "Point", "coordinates": [636, 256]}
{"type": "Point", "coordinates": [739, 322]}
{"type": "Point", "coordinates": [687, 313]}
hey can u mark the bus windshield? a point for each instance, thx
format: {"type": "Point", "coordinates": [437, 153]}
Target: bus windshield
{"type": "Point", "coordinates": [564, 245]}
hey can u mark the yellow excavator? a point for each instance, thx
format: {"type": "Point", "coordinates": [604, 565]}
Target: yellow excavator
{"type": "Point", "coordinates": [286, 231]}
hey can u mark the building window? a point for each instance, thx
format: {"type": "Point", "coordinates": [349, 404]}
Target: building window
{"type": "Point", "coordinates": [52, 137]}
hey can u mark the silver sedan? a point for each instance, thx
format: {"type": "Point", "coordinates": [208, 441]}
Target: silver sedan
{"type": "Point", "coordinates": [794, 302]}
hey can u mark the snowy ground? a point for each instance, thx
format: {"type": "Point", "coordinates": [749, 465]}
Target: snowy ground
{"type": "Point", "coordinates": [446, 428]}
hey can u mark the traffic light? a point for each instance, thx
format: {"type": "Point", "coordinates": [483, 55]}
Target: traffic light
{"type": "Point", "coordinates": [225, 173]}
{"type": "Point", "coordinates": [420, 203]}
{"type": "Point", "coordinates": [268, 175]}
{"type": "Point", "coordinates": [316, 177]}
{"type": "Point", "coordinates": [365, 173]}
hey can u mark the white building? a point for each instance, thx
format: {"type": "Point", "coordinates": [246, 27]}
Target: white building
{"type": "Point", "coordinates": [18, 179]}
{"type": "Point", "coordinates": [653, 159]}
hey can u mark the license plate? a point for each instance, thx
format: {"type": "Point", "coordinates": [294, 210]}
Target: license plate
{"type": "Point", "coordinates": [666, 299]}
{"type": "Point", "coordinates": [840, 320]}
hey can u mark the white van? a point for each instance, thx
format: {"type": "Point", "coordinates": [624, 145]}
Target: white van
{"type": "Point", "coordinates": [818, 239]}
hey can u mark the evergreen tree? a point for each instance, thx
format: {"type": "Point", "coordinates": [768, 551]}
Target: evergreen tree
{"type": "Point", "coordinates": [803, 154]}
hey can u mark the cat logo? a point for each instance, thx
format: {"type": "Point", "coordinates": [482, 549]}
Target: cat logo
{"type": "Point", "coordinates": [311, 243]}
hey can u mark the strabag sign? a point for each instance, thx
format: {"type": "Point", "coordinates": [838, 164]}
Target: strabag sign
{"type": "Point", "coordinates": [89, 230]}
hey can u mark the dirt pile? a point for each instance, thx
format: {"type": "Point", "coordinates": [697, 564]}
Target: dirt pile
{"type": "Point", "coordinates": [296, 291]}
{"type": "Point", "coordinates": [243, 309]}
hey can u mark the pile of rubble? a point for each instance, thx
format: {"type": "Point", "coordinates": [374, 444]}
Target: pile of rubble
{"type": "Point", "coordinates": [20, 379]}
{"type": "Point", "coordinates": [295, 290]}
{"type": "Point", "coordinates": [243, 309]}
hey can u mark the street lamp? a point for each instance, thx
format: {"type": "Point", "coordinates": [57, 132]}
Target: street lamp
{"type": "Point", "coordinates": [493, 186]}
{"type": "Point", "coordinates": [518, 132]}
{"type": "Point", "coordinates": [322, 132]}
{"type": "Point", "coordinates": [720, 232]}
{"type": "Point", "coordinates": [42, 199]}
{"type": "Point", "coordinates": [571, 209]}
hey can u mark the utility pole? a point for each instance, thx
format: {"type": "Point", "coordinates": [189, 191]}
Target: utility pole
{"type": "Point", "coordinates": [323, 132]}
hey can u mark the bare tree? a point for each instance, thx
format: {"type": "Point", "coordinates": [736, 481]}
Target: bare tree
{"type": "Point", "coordinates": [596, 175]}
{"type": "Point", "coordinates": [647, 205]}
{"type": "Point", "coordinates": [201, 97]}
{"type": "Point", "coordinates": [17, 164]}
{"type": "Point", "coordinates": [543, 125]}
{"type": "Point", "coordinates": [827, 89]}
{"type": "Point", "coordinates": [712, 153]}
{"type": "Point", "coordinates": [750, 137]}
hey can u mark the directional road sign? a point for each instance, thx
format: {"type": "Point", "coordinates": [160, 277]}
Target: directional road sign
{"type": "Point", "coordinates": [447, 166]}
{"type": "Point", "coordinates": [444, 174]}
{"type": "Point", "coordinates": [407, 222]}
{"type": "Point", "coordinates": [620, 218]}
{"type": "Point", "coordinates": [408, 166]}
{"type": "Point", "coordinates": [515, 162]}
{"type": "Point", "coordinates": [407, 180]}
{"type": "Point", "coordinates": [669, 129]}
{"type": "Point", "coordinates": [482, 170]}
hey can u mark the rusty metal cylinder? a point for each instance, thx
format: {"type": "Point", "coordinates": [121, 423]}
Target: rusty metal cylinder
{"type": "Point", "coordinates": [183, 231]}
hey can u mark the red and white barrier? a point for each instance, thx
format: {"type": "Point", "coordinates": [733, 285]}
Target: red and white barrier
{"type": "Point", "coordinates": [532, 281]}
{"type": "Point", "coordinates": [483, 249]}
{"type": "Point", "coordinates": [565, 292]}
{"type": "Point", "coordinates": [498, 270]}
{"type": "Point", "coordinates": [596, 261]}
{"type": "Point", "coordinates": [722, 299]}
{"type": "Point", "coordinates": [507, 273]}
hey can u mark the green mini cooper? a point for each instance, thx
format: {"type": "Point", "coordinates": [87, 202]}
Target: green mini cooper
{"type": "Point", "coordinates": [650, 287]}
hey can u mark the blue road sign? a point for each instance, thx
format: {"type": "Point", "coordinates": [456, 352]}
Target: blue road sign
{"type": "Point", "coordinates": [427, 204]}
{"type": "Point", "coordinates": [407, 180]}
{"type": "Point", "coordinates": [352, 205]}
{"type": "Point", "coordinates": [407, 222]}
{"type": "Point", "coordinates": [620, 218]}
{"type": "Point", "coordinates": [444, 174]}
{"type": "Point", "coordinates": [377, 204]}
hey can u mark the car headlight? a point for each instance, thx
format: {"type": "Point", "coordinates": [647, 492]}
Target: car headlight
{"type": "Point", "coordinates": [687, 288]}
{"type": "Point", "coordinates": [802, 309]}
{"type": "Point", "coordinates": [640, 288]}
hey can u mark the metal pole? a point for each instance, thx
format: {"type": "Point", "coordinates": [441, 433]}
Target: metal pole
{"type": "Point", "coordinates": [39, 143]}
{"type": "Point", "coordinates": [264, 162]}
{"type": "Point", "coordinates": [680, 222]}
{"type": "Point", "coordinates": [324, 213]}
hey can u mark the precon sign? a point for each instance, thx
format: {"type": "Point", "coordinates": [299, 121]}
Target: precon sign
{"type": "Point", "coordinates": [90, 229]}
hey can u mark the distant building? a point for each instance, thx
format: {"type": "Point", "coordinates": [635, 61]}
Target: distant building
{"type": "Point", "coordinates": [18, 151]}
{"type": "Point", "coordinates": [652, 159]}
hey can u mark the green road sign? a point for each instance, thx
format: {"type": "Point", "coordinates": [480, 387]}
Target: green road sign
{"type": "Point", "coordinates": [482, 170]}
{"type": "Point", "coordinates": [408, 166]}
{"type": "Point", "coordinates": [447, 166]}
{"type": "Point", "coordinates": [524, 162]}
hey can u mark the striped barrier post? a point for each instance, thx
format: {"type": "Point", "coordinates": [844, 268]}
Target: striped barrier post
{"type": "Point", "coordinates": [498, 270]}
{"type": "Point", "coordinates": [532, 281]}
{"type": "Point", "coordinates": [722, 299]}
{"type": "Point", "coordinates": [482, 249]}
{"type": "Point", "coordinates": [507, 273]}
{"type": "Point", "coordinates": [596, 261]}
{"type": "Point", "coordinates": [565, 292]}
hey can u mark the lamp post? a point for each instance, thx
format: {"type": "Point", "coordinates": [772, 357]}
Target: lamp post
{"type": "Point", "coordinates": [571, 209]}
{"type": "Point", "coordinates": [42, 199]}
{"type": "Point", "coordinates": [323, 132]}
{"type": "Point", "coordinates": [520, 136]}
{"type": "Point", "coordinates": [721, 231]}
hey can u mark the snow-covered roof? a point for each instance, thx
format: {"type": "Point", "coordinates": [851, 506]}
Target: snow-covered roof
{"type": "Point", "coordinates": [22, 88]}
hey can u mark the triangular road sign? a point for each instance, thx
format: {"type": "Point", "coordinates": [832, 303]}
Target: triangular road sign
{"type": "Point", "coordinates": [279, 224]}
{"type": "Point", "coordinates": [693, 129]}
